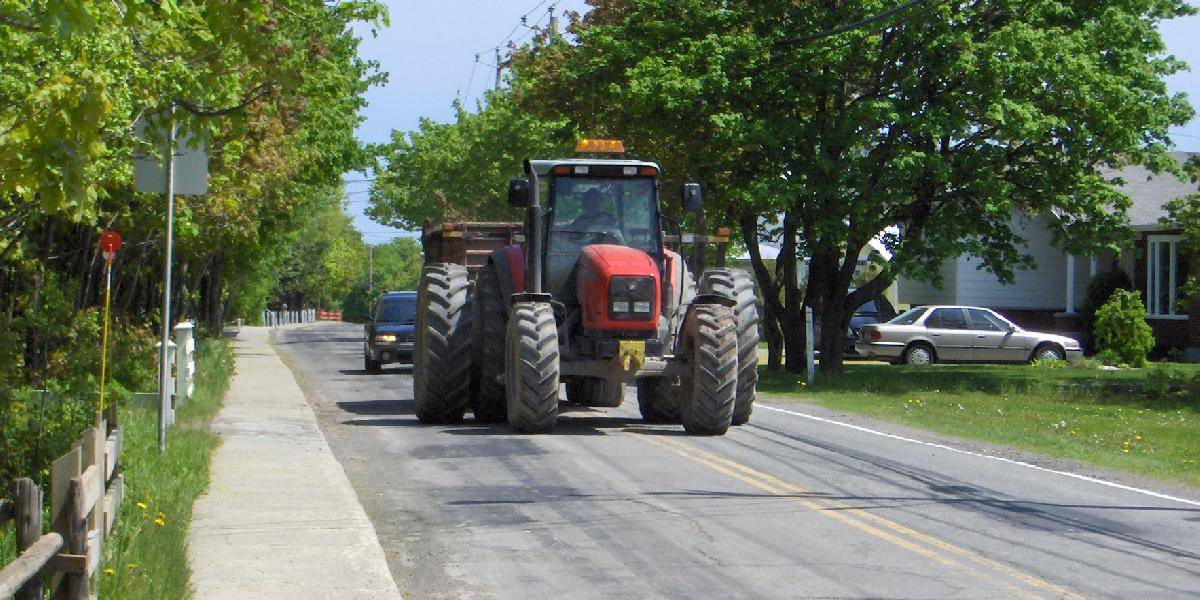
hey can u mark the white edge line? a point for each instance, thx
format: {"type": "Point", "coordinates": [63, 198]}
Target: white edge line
{"type": "Point", "coordinates": [981, 455]}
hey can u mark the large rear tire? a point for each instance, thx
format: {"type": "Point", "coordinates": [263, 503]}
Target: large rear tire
{"type": "Point", "coordinates": [595, 392]}
{"type": "Point", "coordinates": [708, 388]}
{"type": "Point", "coordinates": [738, 285]}
{"type": "Point", "coordinates": [531, 367]}
{"type": "Point", "coordinates": [658, 399]}
{"type": "Point", "coordinates": [442, 345]}
{"type": "Point", "coordinates": [489, 320]}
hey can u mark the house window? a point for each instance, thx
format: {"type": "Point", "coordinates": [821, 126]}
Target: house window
{"type": "Point", "coordinates": [1166, 269]}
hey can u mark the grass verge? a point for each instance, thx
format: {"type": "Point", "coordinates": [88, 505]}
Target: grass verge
{"type": "Point", "coordinates": [1118, 419]}
{"type": "Point", "coordinates": [146, 556]}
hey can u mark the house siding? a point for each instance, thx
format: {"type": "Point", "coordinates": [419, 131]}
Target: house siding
{"type": "Point", "coordinates": [1041, 288]}
{"type": "Point", "coordinates": [916, 293]}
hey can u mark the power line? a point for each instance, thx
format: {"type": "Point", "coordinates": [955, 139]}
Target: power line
{"type": "Point", "coordinates": [520, 22]}
{"type": "Point", "coordinates": [856, 24]}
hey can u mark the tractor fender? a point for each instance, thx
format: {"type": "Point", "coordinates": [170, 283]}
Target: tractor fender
{"type": "Point", "coordinates": [510, 270]}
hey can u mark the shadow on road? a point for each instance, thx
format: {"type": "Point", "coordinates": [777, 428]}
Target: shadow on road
{"type": "Point", "coordinates": [572, 420]}
{"type": "Point", "coordinates": [396, 370]}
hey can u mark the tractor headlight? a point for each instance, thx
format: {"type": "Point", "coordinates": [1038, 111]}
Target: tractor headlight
{"type": "Point", "coordinates": [385, 337]}
{"type": "Point", "coordinates": [631, 297]}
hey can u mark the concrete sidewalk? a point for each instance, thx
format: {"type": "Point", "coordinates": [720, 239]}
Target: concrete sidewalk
{"type": "Point", "coordinates": [280, 519]}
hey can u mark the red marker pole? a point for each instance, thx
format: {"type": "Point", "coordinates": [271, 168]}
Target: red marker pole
{"type": "Point", "coordinates": [109, 243]}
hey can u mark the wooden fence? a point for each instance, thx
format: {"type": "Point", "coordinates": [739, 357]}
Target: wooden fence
{"type": "Point", "coordinates": [86, 488]}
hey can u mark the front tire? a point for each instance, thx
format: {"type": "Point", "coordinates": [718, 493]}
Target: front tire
{"type": "Point", "coordinates": [919, 355]}
{"type": "Point", "coordinates": [709, 385]}
{"type": "Point", "coordinates": [595, 392]}
{"type": "Point", "coordinates": [658, 399]}
{"type": "Point", "coordinates": [442, 345]}
{"type": "Point", "coordinates": [371, 366]}
{"type": "Point", "coordinates": [531, 367]}
{"type": "Point", "coordinates": [1048, 353]}
{"type": "Point", "coordinates": [489, 320]}
{"type": "Point", "coordinates": [737, 284]}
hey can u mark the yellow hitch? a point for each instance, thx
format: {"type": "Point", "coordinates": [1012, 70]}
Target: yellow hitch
{"type": "Point", "coordinates": [631, 355]}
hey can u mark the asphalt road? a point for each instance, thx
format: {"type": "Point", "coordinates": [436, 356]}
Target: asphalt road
{"type": "Point", "coordinates": [785, 507]}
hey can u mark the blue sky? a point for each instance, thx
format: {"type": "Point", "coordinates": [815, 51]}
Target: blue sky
{"type": "Point", "coordinates": [429, 54]}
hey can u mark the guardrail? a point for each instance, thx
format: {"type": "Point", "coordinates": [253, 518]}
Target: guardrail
{"type": "Point", "coordinates": [86, 489]}
{"type": "Point", "coordinates": [275, 318]}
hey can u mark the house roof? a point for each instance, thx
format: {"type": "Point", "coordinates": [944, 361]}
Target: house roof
{"type": "Point", "coordinates": [1150, 192]}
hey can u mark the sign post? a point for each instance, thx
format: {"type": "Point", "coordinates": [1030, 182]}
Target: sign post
{"type": "Point", "coordinates": [808, 346]}
{"type": "Point", "coordinates": [182, 168]}
{"type": "Point", "coordinates": [110, 242]}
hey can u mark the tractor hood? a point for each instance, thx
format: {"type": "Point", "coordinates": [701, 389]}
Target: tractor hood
{"type": "Point", "coordinates": [619, 260]}
{"type": "Point", "coordinates": [619, 288]}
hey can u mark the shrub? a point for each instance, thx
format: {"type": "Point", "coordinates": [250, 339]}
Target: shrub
{"type": "Point", "coordinates": [1122, 334]}
{"type": "Point", "coordinates": [1100, 289]}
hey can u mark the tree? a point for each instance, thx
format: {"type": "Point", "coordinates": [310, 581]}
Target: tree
{"type": "Point", "coordinates": [460, 170]}
{"type": "Point", "coordinates": [925, 130]}
{"type": "Point", "coordinates": [397, 266]}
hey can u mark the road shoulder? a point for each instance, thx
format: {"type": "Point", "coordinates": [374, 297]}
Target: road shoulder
{"type": "Point", "coordinates": [1008, 453]}
{"type": "Point", "coordinates": [280, 518]}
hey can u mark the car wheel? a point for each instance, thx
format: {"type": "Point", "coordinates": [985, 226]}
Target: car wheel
{"type": "Point", "coordinates": [1048, 352]}
{"type": "Point", "coordinates": [919, 355]}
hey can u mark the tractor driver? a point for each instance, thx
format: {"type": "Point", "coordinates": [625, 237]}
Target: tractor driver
{"type": "Point", "coordinates": [592, 217]}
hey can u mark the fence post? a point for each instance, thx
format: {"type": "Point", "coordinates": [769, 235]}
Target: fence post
{"type": "Point", "coordinates": [29, 529]}
{"type": "Point", "coordinates": [76, 584]}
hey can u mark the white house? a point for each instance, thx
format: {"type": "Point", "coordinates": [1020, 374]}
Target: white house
{"type": "Point", "coordinates": [1049, 296]}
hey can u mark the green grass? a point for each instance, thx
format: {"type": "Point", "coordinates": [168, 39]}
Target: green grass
{"type": "Point", "coordinates": [1126, 419]}
{"type": "Point", "coordinates": [146, 556]}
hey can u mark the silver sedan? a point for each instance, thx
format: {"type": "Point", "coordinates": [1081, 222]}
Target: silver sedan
{"type": "Point", "coordinates": [928, 334]}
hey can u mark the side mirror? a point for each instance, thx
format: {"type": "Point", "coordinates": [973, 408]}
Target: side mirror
{"type": "Point", "coordinates": [518, 193]}
{"type": "Point", "coordinates": [691, 197]}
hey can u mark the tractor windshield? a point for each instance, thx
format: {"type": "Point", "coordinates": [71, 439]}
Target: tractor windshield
{"type": "Point", "coordinates": [601, 210]}
{"type": "Point", "coordinates": [604, 211]}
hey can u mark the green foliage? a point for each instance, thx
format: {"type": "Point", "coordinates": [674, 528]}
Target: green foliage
{"type": "Point", "coordinates": [934, 126]}
{"type": "Point", "coordinates": [397, 267]}
{"type": "Point", "coordinates": [324, 259]}
{"type": "Point", "coordinates": [1099, 290]}
{"type": "Point", "coordinates": [1122, 335]}
{"type": "Point", "coordinates": [460, 171]}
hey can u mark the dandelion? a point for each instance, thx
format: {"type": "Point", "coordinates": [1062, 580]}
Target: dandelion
{"type": "Point", "coordinates": [1137, 437]}
{"type": "Point", "coordinates": [161, 522]}
{"type": "Point", "coordinates": [131, 566]}
{"type": "Point", "coordinates": [1125, 447]}
{"type": "Point", "coordinates": [141, 505]}
{"type": "Point", "coordinates": [109, 571]}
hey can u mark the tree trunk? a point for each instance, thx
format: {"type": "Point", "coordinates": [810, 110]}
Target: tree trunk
{"type": "Point", "coordinates": [793, 305]}
{"type": "Point", "coordinates": [768, 289]}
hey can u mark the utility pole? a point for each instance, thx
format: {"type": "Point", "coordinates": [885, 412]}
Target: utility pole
{"type": "Point", "coordinates": [164, 369]}
{"type": "Point", "coordinates": [370, 270]}
{"type": "Point", "coordinates": [498, 67]}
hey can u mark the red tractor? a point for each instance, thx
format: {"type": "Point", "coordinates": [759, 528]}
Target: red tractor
{"type": "Point", "coordinates": [592, 299]}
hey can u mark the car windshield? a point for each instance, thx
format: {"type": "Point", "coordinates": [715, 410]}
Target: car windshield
{"type": "Point", "coordinates": [604, 211]}
{"type": "Point", "coordinates": [867, 308]}
{"type": "Point", "coordinates": [909, 316]}
{"type": "Point", "coordinates": [400, 309]}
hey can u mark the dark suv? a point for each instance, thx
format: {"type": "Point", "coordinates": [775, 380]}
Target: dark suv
{"type": "Point", "coordinates": [388, 334]}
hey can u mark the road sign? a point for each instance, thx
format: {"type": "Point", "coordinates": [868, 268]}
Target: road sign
{"type": "Point", "coordinates": [189, 171]}
{"type": "Point", "coordinates": [110, 242]}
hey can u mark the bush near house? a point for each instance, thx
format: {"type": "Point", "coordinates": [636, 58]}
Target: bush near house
{"type": "Point", "coordinates": [1122, 335]}
{"type": "Point", "coordinates": [1100, 289]}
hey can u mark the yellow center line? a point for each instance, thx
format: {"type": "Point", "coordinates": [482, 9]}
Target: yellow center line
{"type": "Point", "coordinates": [818, 503]}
